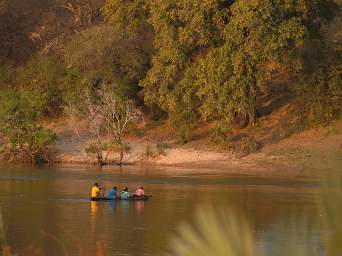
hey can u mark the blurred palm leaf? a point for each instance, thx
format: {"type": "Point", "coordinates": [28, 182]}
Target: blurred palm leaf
{"type": "Point", "coordinates": [225, 233]}
{"type": "Point", "coordinates": [216, 232]}
{"type": "Point", "coordinates": [331, 209]}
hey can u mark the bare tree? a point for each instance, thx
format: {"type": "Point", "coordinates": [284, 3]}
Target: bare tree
{"type": "Point", "coordinates": [82, 11]}
{"type": "Point", "coordinates": [118, 114]}
{"type": "Point", "coordinates": [90, 113]}
{"type": "Point", "coordinates": [107, 118]}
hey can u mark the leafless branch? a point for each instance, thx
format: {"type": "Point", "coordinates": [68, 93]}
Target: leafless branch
{"type": "Point", "coordinates": [106, 114]}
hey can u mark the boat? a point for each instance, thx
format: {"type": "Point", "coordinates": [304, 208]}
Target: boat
{"type": "Point", "coordinates": [131, 198]}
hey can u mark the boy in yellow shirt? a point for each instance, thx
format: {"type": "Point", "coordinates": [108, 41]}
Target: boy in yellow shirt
{"type": "Point", "coordinates": [95, 192]}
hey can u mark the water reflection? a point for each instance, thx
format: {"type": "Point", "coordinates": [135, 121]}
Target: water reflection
{"type": "Point", "coordinates": [93, 209]}
{"type": "Point", "coordinates": [112, 204]}
{"type": "Point", "coordinates": [62, 197]}
{"type": "Point", "coordinates": [139, 206]}
{"type": "Point", "coordinates": [124, 204]}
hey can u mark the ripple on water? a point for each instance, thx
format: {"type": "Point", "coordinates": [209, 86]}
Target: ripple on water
{"type": "Point", "coordinates": [20, 178]}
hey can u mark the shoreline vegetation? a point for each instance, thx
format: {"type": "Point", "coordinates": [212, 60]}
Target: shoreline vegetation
{"type": "Point", "coordinates": [219, 84]}
{"type": "Point", "coordinates": [301, 153]}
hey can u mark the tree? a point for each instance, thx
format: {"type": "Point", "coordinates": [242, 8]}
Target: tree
{"type": "Point", "coordinates": [107, 117]}
{"type": "Point", "coordinates": [83, 12]}
{"type": "Point", "coordinates": [19, 127]}
{"type": "Point", "coordinates": [318, 88]}
{"type": "Point", "coordinates": [18, 19]}
{"type": "Point", "coordinates": [110, 54]}
{"type": "Point", "coordinates": [127, 14]}
{"type": "Point", "coordinates": [118, 114]}
{"type": "Point", "coordinates": [39, 81]}
{"type": "Point", "coordinates": [90, 111]}
{"type": "Point", "coordinates": [216, 56]}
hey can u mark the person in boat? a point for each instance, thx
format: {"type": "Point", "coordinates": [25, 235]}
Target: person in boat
{"type": "Point", "coordinates": [95, 191]}
{"type": "Point", "coordinates": [140, 191]}
{"type": "Point", "coordinates": [112, 193]}
{"type": "Point", "coordinates": [125, 194]}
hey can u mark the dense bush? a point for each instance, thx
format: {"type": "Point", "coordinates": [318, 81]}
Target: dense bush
{"type": "Point", "coordinates": [249, 145]}
{"type": "Point", "coordinates": [25, 138]}
{"type": "Point", "coordinates": [109, 54]}
{"type": "Point", "coordinates": [39, 82]}
{"type": "Point", "coordinates": [161, 148]}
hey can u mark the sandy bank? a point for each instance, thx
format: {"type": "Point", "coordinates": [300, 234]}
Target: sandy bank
{"type": "Point", "coordinates": [303, 152]}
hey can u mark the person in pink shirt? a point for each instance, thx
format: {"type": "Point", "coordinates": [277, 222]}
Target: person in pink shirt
{"type": "Point", "coordinates": [140, 191]}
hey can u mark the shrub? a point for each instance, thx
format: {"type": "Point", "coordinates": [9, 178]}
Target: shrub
{"type": "Point", "coordinates": [184, 123]}
{"type": "Point", "coordinates": [39, 83]}
{"type": "Point", "coordinates": [91, 149]}
{"type": "Point", "coordinates": [161, 148]}
{"type": "Point", "coordinates": [221, 135]}
{"type": "Point", "coordinates": [112, 146]}
{"type": "Point", "coordinates": [20, 128]}
{"type": "Point", "coordinates": [183, 134]}
{"type": "Point", "coordinates": [149, 153]}
{"type": "Point", "coordinates": [249, 145]}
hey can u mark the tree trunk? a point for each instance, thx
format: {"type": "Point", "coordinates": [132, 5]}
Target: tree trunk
{"type": "Point", "coordinates": [99, 157]}
{"type": "Point", "coordinates": [99, 152]}
{"type": "Point", "coordinates": [252, 115]}
{"type": "Point", "coordinates": [90, 14]}
{"type": "Point", "coordinates": [121, 152]}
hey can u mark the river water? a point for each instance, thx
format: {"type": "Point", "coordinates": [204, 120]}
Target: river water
{"type": "Point", "coordinates": [46, 210]}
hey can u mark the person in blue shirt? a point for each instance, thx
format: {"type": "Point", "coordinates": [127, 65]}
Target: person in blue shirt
{"type": "Point", "coordinates": [125, 194]}
{"type": "Point", "coordinates": [112, 193]}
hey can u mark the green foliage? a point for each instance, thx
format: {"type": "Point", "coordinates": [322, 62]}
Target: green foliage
{"type": "Point", "coordinates": [214, 57]}
{"type": "Point", "coordinates": [111, 147]}
{"type": "Point", "coordinates": [6, 74]}
{"type": "Point", "coordinates": [220, 134]}
{"type": "Point", "coordinates": [39, 82]}
{"type": "Point", "coordinates": [319, 85]}
{"type": "Point", "coordinates": [73, 85]}
{"type": "Point", "coordinates": [184, 122]}
{"type": "Point", "coordinates": [91, 149]}
{"type": "Point", "coordinates": [108, 54]}
{"type": "Point", "coordinates": [249, 145]}
{"type": "Point", "coordinates": [189, 60]}
{"type": "Point", "coordinates": [114, 146]}
{"type": "Point", "coordinates": [319, 92]}
{"type": "Point", "coordinates": [127, 13]}
{"type": "Point", "coordinates": [161, 148]}
{"type": "Point", "coordinates": [183, 133]}
{"type": "Point", "coordinates": [19, 126]}
{"type": "Point", "coordinates": [294, 127]}
{"type": "Point", "coordinates": [149, 152]}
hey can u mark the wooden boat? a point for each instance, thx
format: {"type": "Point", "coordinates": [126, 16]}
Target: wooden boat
{"type": "Point", "coordinates": [131, 198]}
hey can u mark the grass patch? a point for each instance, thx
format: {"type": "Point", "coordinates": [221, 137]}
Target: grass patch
{"type": "Point", "coordinates": [249, 145]}
{"type": "Point", "coordinates": [161, 148]}
{"type": "Point", "coordinates": [157, 150]}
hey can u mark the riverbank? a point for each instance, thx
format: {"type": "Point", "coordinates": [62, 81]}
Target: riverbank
{"type": "Point", "coordinates": [300, 152]}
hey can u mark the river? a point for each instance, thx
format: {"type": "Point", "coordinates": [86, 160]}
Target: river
{"type": "Point", "coordinates": [46, 210]}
